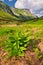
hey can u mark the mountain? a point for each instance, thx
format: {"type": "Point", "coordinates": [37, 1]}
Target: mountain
{"type": "Point", "coordinates": [6, 13]}
{"type": "Point", "coordinates": [5, 8]}
{"type": "Point", "coordinates": [13, 14]}
{"type": "Point", "coordinates": [23, 14]}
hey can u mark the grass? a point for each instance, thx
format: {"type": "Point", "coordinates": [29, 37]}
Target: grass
{"type": "Point", "coordinates": [4, 16]}
{"type": "Point", "coordinates": [19, 37]}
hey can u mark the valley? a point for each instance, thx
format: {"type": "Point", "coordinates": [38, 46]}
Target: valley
{"type": "Point", "coordinates": [21, 37]}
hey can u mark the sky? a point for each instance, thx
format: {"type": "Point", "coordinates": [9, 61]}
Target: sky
{"type": "Point", "coordinates": [9, 2]}
{"type": "Point", "coordinates": [35, 6]}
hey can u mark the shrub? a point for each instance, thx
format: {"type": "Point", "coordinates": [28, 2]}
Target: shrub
{"type": "Point", "coordinates": [16, 43]}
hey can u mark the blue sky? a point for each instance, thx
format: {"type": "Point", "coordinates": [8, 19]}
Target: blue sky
{"type": "Point", "coordinates": [35, 6]}
{"type": "Point", "coordinates": [9, 2]}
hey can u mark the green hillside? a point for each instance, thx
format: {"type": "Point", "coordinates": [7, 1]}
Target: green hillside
{"type": "Point", "coordinates": [6, 17]}
{"type": "Point", "coordinates": [12, 14]}
{"type": "Point", "coordinates": [5, 8]}
{"type": "Point", "coordinates": [21, 37]}
{"type": "Point", "coordinates": [23, 12]}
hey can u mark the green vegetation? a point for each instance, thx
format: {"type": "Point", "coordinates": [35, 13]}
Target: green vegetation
{"type": "Point", "coordinates": [21, 36]}
{"type": "Point", "coordinates": [16, 44]}
{"type": "Point", "coordinates": [23, 14]}
{"type": "Point", "coordinates": [5, 16]}
{"type": "Point", "coordinates": [12, 14]}
{"type": "Point", "coordinates": [16, 39]}
{"type": "Point", "coordinates": [28, 30]}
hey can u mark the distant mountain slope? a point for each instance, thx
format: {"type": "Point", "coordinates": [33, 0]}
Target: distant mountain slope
{"type": "Point", "coordinates": [6, 16]}
{"type": "Point", "coordinates": [8, 13]}
{"type": "Point", "coordinates": [24, 12]}
{"type": "Point", "coordinates": [5, 8]}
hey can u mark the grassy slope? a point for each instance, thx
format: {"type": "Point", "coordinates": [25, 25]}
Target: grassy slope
{"type": "Point", "coordinates": [27, 25]}
{"type": "Point", "coordinates": [32, 29]}
{"type": "Point", "coordinates": [23, 14]}
{"type": "Point", "coordinates": [12, 14]}
{"type": "Point", "coordinates": [5, 8]}
{"type": "Point", "coordinates": [7, 18]}
{"type": "Point", "coordinates": [6, 15]}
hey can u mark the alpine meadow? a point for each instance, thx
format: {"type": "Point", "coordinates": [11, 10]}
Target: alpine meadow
{"type": "Point", "coordinates": [21, 36]}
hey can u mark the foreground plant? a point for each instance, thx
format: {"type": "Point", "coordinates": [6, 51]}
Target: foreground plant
{"type": "Point", "coordinates": [16, 44]}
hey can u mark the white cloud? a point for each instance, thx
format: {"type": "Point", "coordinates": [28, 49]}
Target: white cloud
{"type": "Point", "coordinates": [33, 5]}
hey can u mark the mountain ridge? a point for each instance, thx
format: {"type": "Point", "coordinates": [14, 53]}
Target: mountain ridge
{"type": "Point", "coordinates": [5, 7]}
{"type": "Point", "coordinates": [14, 13]}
